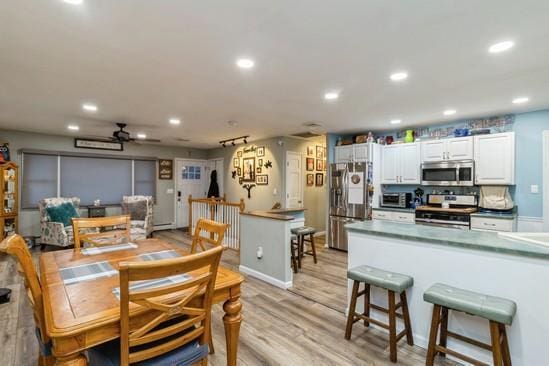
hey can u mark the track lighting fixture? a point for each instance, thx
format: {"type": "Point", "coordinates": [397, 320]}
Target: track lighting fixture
{"type": "Point", "coordinates": [234, 140]}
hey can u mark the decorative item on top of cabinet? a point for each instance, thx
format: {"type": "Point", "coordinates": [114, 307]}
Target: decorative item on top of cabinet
{"type": "Point", "coordinates": [495, 159]}
{"type": "Point", "coordinates": [9, 192]}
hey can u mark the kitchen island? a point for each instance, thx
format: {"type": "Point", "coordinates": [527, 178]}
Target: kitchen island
{"type": "Point", "coordinates": [477, 261]}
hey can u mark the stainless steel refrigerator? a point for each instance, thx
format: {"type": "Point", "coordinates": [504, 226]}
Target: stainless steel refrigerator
{"type": "Point", "coordinates": [351, 193]}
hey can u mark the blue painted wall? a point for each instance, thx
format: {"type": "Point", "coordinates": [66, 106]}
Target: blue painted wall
{"type": "Point", "coordinates": [528, 129]}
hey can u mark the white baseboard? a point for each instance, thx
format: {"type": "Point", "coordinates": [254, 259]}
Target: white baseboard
{"type": "Point", "coordinates": [164, 226]}
{"type": "Point", "coordinates": [529, 224]}
{"type": "Point", "coordinates": [265, 278]}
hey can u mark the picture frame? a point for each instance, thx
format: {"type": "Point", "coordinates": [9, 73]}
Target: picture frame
{"type": "Point", "coordinates": [248, 170]}
{"type": "Point", "coordinates": [319, 165]}
{"type": "Point", "coordinates": [262, 179]}
{"type": "Point", "coordinates": [310, 180]}
{"type": "Point", "coordinates": [258, 170]}
{"type": "Point", "coordinates": [165, 169]}
{"type": "Point", "coordinates": [260, 151]}
{"type": "Point", "coordinates": [310, 164]}
{"type": "Point", "coordinates": [310, 151]}
{"type": "Point", "coordinates": [319, 151]}
{"type": "Point", "coordinates": [259, 162]}
{"type": "Point", "coordinates": [236, 162]}
{"type": "Point", "coordinates": [240, 180]}
{"type": "Point", "coordinates": [239, 172]}
{"type": "Point", "coordinates": [319, 179]}
{"type": "Point", "coordinates": [239, 153]}
{"type": "Point", "coordinates": [98, 145]}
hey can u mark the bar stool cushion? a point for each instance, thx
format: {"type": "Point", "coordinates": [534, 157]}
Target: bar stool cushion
{"type": "Point", "coordinates": [396, 282]}
{"type": "Point", "coordinates": [488, 307]}
{"type": "Point", "coordinates": [303, 230]}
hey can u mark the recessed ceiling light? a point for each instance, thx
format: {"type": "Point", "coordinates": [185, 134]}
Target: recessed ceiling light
{"type": "Point", "coordinates": [232, 123]}
{"type": "Point", "coordinates": [398, 76]}
{"type": "Point", "coordinates": [141, 136]}
{"type": "Point", "coordinates": [520, 100]}
{"type": "Point", "coordinates": [501, 46]}
{"type": "Point", "coordinates": [74, 2]}
{"type": "Point", "coordinates": [89, 107]}
{"type": "Point", "coordinates": [449, 112]}
{"type": "Point", "coordinates": [331, 95]}
{"type": "Point", "coordinates": [245, 63]}
{"type": "Point", "coordinates": [175, 121]}
{"type": "Point", "coordinates": [395, 121]}
{"type": "Point", "coordinates": [73, 127]}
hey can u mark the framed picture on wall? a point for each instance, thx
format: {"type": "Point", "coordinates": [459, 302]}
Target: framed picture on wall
{"type": "Point", "coordinates": [310, 164]}
{"type": "Point", "coordinates": [310, 180]}
{"type": "Point", "coordinates": [260, 162]}
{"type": "Point", "coordinates": [236, 162]}
{"type": "Point", "coordinates": [258, 170]}
{"type": "Point", "coordinates": [239, 172]}
{"type": "Point", "coordinates": [310, 151]}
{"type": "Point", "coordinates": [239, 153]}
{"type": "Point", "coordinates": [319, 180]}
{"type": "Point", "coordinates": [319, 152]}
{"type": "Point", "coordinates": [240, 180]}
{"type": "Point", "coordinates": [248, 169]}
{"type": "Point", "coordinates": [262, 180]}
{"type": "Point", "coordinates": [319, 165]}
{"type": "Point", "coordinates": [260, 151]}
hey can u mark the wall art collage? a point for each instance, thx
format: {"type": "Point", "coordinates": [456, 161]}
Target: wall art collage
{"type": "Point", "coordinates": [315, 161]}
{"type": "Point", "coordinates": [250, 167]}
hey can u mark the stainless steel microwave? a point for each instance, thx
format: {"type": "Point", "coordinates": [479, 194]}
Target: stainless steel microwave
{"type": "Point", "coordinates": [448, 173]}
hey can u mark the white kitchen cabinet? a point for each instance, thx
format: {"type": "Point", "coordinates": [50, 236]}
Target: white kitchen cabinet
{"type": "Point", "coordinates": [480, 223]}
{"type": "Point", "coordinates": [360, 152]}
{"type": "Point", "coordinates": [394, 216]}
{"type": "Point", "coordinates": [390, 164]}
{"type": "Point", "coordinates": [400, 164]}
{"type": "Point", "coordinates": [344, 154]}
{"type": "Point", "coordinates": [495, 159]}
{"type": "Point", "coordinates": [459, 148]}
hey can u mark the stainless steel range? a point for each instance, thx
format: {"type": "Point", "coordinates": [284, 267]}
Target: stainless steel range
{"type": "Point", "coordinates": [447, 210]}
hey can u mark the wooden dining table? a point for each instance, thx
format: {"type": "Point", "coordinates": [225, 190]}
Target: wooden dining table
{"type": "Point", "coordinates": [85, 314]}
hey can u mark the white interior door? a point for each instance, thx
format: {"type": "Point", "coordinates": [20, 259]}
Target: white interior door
{"type": "Point", "coordinates": [192, 178]}
{"type": "Point", "coordinates": [294, 183]}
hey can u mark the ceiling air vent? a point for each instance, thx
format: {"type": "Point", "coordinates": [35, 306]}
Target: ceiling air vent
{"type": "Point", "coordinates": [306, 135]}
{"type": "Point", "coordinates": [313, 130]}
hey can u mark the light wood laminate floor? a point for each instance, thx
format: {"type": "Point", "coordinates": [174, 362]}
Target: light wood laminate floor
{"type": "Point", "coordinates": [279, 328]}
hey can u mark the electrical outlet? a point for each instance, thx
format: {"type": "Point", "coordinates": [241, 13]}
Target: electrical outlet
{"type": "Point", "coordinates": [534, 188]}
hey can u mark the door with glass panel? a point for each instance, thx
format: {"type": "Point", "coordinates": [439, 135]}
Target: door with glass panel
{"type": "Point", "coordinates": [191, 179]}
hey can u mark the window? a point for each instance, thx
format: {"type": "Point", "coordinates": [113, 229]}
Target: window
{"type": "Point", "coordinates": [87, 176]}
{"type": "Point", "coordinates": [192, 172]}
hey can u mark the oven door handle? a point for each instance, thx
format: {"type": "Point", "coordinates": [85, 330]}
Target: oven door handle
{"type": "Point", "coordinates": [458, 167]}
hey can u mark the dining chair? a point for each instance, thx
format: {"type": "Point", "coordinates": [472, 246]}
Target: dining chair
{"type": "Point", "coordinates": [214, 230]}
{"type": "Point", "coordinates": [92, 230]}
{"type": "Point", "coordinates": [177, 331]}
{"type": "Point", "coordinates": [16, 247]}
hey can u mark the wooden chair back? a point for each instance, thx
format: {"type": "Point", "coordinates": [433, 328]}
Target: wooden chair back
{"type": "Point", "coordinates": [97, 238]}
{"type": "Point", "coordinates": [15, 246]}
{"type": "Point", "coordinates": [215, 232]}
{"type": "Point", "coordinates": [190, 300]}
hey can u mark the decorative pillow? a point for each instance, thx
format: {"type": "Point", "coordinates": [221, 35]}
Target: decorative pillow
{"type": "Point", "coordinates": [62, 213]}
{"type": "Point", "coordinates": [137, 210]}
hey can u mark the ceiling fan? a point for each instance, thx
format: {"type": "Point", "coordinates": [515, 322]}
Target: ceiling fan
{"type": "Point", "coordinates": [123, 136]}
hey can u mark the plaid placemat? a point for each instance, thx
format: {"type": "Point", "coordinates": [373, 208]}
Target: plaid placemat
{"type": "Point", "coordinates": [87, 272]}
{"type": "Point", "coordinates": [160, 282]}
{"type": "Point", "coordinates": [108, 248]}
{"type": "Point", "coordinates": [164, 254]}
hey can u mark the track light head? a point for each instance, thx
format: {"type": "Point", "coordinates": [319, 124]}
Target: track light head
{"type": "Point", "coordinates": [245, 141]}
{"type": "Point", "coordinates": [232, 143]}
{"type": "Point", "coordinates": [223, 144]}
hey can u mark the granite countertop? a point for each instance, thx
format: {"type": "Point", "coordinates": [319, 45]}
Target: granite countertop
{"type": "Point", "coordinates": [496, 215]}
{"type": "Point", "coordinates": [285, 210]}
{"type": "Point", "coordinates": [478, 240]}
{"type": "Point", "coordinates": [395, 209]}
{"type": "Point", "coordinates": [268, 215]}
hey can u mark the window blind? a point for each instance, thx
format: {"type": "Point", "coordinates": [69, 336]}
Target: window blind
{"type": "Point", "coordinates": [39, 179]}
{"type": "Point", "coordinates": [144, 177]}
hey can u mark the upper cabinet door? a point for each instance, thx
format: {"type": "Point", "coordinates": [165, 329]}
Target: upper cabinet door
{"type": "Point", "coordinates": [460, 148]}
{"type": "Point", "coordinates": [433, 150]}
{"type": "Point", "coordinates": [390, 164]}
{"type": "Point", "coordinates": [360, 152]}
{"type": "Point", "coordinates": [410, 157]}
{"type": "Point", "coordinates": [344, 154]}
{"type": "Point", "coordinates": [495, 159]}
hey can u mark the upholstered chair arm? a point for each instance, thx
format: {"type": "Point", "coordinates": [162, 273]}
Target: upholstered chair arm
{"type": "Point", "coordinates": [53, 233]}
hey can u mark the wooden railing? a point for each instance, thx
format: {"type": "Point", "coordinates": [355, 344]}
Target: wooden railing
{"type": "Point", "coordinates": [219, 210]}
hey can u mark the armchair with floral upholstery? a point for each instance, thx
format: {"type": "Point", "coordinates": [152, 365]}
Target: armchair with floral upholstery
{"type": "Point", "coordinates": [55, 233]}
{"type": "Point", "coordinates": [140, 209]}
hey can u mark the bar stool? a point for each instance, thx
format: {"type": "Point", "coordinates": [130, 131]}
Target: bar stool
{"type": "Point", "coordinates": [301, 233]}
{"type": "Point", "coordinates": [394, 283]}
{"type": "Point", "coordinates": [498, 311]}
{"type": "Point", "coordinates": [294, 252]}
